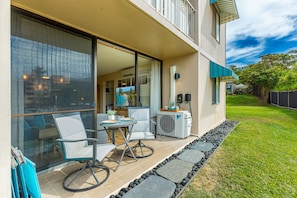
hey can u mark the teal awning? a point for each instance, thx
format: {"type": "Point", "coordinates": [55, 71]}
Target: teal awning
{"type": "Point", "coordinates": [218, 71]}
{"type": "Point", "coordinates": [227, 10]}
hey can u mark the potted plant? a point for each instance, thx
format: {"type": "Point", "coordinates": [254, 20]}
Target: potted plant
{"type": "Point", "coordinates": [111, 114]}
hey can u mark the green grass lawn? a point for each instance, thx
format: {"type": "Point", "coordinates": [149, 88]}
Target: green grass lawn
{"type": "Point", "coordinates": [257, 159]}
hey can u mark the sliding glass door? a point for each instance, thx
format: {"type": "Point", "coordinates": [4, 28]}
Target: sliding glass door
{"type": "Point", "coordinates": [51, 72]}
{"type": "Point", "coordinates": [126, 78]}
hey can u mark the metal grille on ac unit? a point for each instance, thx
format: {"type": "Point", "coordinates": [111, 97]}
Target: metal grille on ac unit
{"type": "Point", "coordinates": [171, 124]}
{"type": "Point", "coordinates": [167, 124]}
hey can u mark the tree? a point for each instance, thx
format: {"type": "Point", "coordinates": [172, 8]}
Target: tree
{"type": "Point", "coordinates": [266, 74]}
{"type": "Point", "coordinates": [260, 77]}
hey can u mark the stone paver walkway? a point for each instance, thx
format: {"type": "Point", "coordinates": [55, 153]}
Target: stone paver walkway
{"type": "Point", "coordinates": [171, 176]}
{"type": "Point", "coordinates": [175, 171]}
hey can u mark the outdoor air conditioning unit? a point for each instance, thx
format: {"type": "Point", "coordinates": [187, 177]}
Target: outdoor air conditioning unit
{"type": "Point", "coordinates": [174, 124]}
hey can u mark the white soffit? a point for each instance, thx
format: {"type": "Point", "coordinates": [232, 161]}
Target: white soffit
{"type": "Point", "coordinates": [228, 10]}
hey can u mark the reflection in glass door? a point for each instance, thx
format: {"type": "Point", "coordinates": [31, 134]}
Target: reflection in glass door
{"type": "Point", "coordinates": [52, 72]}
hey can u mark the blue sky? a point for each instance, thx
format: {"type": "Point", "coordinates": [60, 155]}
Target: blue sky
{"type": "Point", "coordinates": [263, 27]}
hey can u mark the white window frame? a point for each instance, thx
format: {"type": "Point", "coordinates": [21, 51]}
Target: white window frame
{"type": "Point", "coordinates": [216, 91]}
{"type": "Point", "coordinates": [216, 24]}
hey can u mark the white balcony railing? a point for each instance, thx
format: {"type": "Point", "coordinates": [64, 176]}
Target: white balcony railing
{"type": "Point", "coordinates": [180, 12]}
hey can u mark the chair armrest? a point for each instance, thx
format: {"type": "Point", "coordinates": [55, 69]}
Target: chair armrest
{"type": "Point", "coordinates": [91, 130]}
{"type": "Point", "coordinates": [95, 131]}
{"type": "Point", "coordinates": [154, 120]}
{"type": "Point", "coordinates": [78, 140]}
{"type": "Point", "coordinates": [102, 135]}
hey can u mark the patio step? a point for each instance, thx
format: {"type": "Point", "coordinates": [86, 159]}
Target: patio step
{"type": "Point", "coordinates": [153, 186]}
{"type": "Point", "coordinates": [175, 170]}
{"type": "Point", "coordinates": [202, 146]}
{"type": "Point", "coordinates": [193, 156]}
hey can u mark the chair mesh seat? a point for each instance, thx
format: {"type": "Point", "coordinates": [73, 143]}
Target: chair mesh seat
{"type": "Point", "coordinates": [87, 152]}
{"type": "Point", "coordinates": [76, 148]}
{"type": "Point", "coordinates": [141, 131]}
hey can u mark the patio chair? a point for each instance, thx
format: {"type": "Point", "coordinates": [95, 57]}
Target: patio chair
{"type": "Point", "coordinates": [76, 148]}
{"type": "Point", "coordinates": [102, 136]}
{"type": "Point", "coordinates": [141, 131]}
{"type": "Point", "coordinates": [24, 181]}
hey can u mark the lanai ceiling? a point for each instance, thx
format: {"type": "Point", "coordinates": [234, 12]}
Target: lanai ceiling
{"type": "Point", "coordinates": [118, 21]}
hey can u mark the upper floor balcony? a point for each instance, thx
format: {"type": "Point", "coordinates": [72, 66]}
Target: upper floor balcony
{"type": "Point", "coordinates": [180, 13]}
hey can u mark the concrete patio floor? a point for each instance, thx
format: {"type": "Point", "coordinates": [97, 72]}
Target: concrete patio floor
{"type": "Point", "coordinates": [51, 180]}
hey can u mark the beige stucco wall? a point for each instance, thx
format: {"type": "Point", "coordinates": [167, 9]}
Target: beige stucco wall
{"type": "Point", "coordinates": [194, 72]}
{"type": "Point", "coordinates": [187, 67]}
{"type": "Point", "coordinates": [5, 113]}
{"type": "Point", "coordinates": [210, 115]}
{"type": "Point", "coordinates": [212, 49]}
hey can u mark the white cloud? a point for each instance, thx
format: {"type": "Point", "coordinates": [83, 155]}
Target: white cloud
{"type": "Point", "coordinates": [293, 38]}
{"type": "Point", "coordinates": [248, 53]}
{"type": "Point", "coordinates": [243, 52]}
{"type": "Point", "coordinates": [260, 19]}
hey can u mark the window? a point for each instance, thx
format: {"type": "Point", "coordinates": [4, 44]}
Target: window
{"type": "Point", "coordinates": [216, 91]}
{"type": "Point", "coordinates": [216, 24]}
{"type": "Point", "coordinates": [51, 68]}
{"type": "Point", "coordinates": [52, 71]}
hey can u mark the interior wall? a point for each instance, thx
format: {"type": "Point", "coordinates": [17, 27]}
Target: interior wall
{"type": "Point", "coordinates": [115, 76]}
{"type": "Point", "coordinates": [101, 82]}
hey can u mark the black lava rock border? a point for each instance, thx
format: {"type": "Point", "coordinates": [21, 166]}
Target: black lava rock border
{"type": "Point", "coordinates": [215, 136]}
